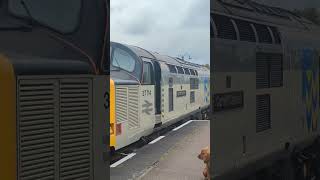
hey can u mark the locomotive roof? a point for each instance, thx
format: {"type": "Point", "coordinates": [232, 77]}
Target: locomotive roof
{"type": "Point", "coordinates": [159, 57]}
{"type": "Point", "coordinates": [259, 12]}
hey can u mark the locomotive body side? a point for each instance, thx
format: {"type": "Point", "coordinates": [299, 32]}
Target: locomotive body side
{"type": "Point", "coordinates": [275, 88]}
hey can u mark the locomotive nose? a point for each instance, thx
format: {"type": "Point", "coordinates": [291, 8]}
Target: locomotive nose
{"type": "Point", "coordinates": [112, 115]}
{"type": "Point", "coordinates": [8, 119]}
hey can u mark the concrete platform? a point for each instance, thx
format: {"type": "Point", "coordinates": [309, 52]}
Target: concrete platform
{"type": "Point", "coordinates": [173, 157]}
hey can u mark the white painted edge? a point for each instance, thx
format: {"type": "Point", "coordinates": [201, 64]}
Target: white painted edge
{"type": "Point", "coordinates": [177, 128]}
{"type": "Point", "coordinates": [122, 160]}
{"type": "Point", "coordinates": [156, 140]}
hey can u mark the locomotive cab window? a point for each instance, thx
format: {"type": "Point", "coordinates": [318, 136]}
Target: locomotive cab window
{"type": "Point", "coordinates": [123, 60]}
{"type": "Point", "coordinates": [147, 73]}
{"type": "Point", "coordinates": [125, 63]}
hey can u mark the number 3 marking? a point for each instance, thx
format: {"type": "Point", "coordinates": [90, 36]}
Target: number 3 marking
{"type": "Point", "coordinates": [107, 100]}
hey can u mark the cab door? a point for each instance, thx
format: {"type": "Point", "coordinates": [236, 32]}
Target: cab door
{"type": "Point", "coordinates": [157, 81]}
{"type": "Point", "coordinates": [147, 96]}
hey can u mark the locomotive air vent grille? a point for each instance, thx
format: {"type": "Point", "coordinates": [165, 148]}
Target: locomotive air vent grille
{"type": "Point", "coordinates": [133, 107]}
{"type": "Point", "coordinates": [75, 130]}
{"type": "Point", "coordinates": [121, 104]}
{"type": "Point", "coordinates": [36, 128]}
{"type": "Point", "coordinates": [263, 119]}
{"type": "Point", "coordinates": [225, 27]}
{"type": "Point", "coordinates": [245, 30]}
{"type": "Point", "coordinates": [263, 34]}
{"type": "Point", "coordinates": [269, 70]}
{"type": "Point", "coordinates": [276, 71]}
{"type": "Point", "coordinates": [127, 107]}
{"type": "Point", "coordinates": [54, 129]}
{"type": "Point", "coordinates": [262, 71]}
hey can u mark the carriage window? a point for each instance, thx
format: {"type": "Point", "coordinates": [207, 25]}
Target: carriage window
{"type": "Point", "coordinates": [147, 73]}
{"type": "Point", "coordinates": [123, 60]}
{"type": "Point", "coordinates": [180, 70]}
{"type": "Point", "coordinates": [186, 71]}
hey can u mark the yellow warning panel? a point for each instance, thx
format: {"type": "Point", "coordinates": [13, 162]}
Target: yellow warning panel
{"type": "Point", "coordinates": [112, 115]}
{"type": "Point", "coordinates": [8, 132]}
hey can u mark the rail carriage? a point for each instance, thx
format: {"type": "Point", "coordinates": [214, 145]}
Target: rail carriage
{"type": "Point", "coordinates": [150, 91]}
{"type": "Point", "coordinates": [266, 96]}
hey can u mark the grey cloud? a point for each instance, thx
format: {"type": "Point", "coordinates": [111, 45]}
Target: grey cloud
{"type": "Point", "coordinates": [140, 26]}
{"type": "Point", "coordinates": [195, 17]}
{"type": "Point", "coordinates": [165, 26]}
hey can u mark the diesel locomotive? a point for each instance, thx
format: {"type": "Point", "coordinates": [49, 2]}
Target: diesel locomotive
{"type": "Point", "coordinates": [266, 90]}
{"type": "Point", "coordinates": [149, 91]}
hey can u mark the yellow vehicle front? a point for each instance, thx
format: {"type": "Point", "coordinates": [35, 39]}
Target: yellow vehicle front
{"type": "Point", "coordinates": [112, 116]}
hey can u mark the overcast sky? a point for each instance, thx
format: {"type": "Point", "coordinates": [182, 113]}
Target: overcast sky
{"type": "Point", "coordinates": [169, 27]}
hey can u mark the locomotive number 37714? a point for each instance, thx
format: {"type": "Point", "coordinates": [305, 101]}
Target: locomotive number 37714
{"type": "Point", "coordinates": [146, 92]}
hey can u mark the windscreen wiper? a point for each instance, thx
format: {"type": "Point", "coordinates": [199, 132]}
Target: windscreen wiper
{"type": "Point", "coordinates": [118, 67]}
